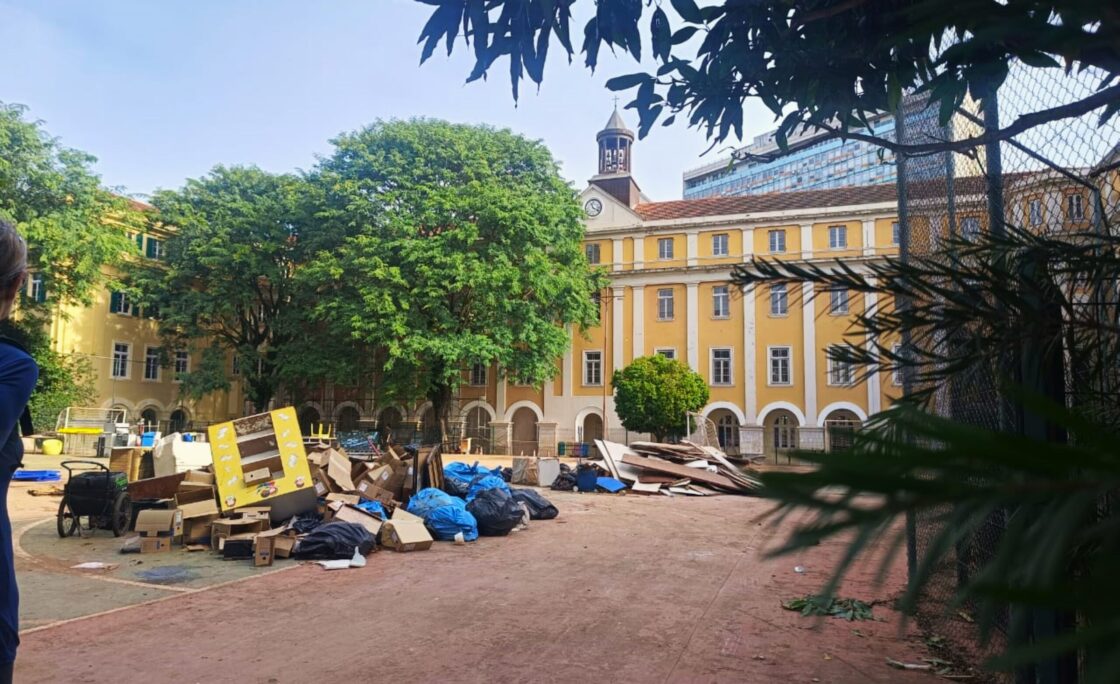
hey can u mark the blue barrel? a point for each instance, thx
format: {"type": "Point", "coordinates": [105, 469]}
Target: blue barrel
{"type": "Point", "coordinates": [148, 439]}
{"type": "Point", "coordinates": [587, 478]}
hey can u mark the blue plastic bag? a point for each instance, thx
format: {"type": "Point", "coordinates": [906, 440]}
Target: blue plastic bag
{"type": "Point", "coordinates": [461, 475]}
{"type": "Point", "coordinates": [429, 499]}
{"type": "Point", "coordinates": [479, 484]}
{"type": "Point", "coordinates": [374, 507]}
{"type": "Point", "coordinates": [447, 521]}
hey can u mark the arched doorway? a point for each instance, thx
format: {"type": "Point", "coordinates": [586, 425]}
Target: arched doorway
{"type": "Point", "coordinates": [348, 418]}
{"type": "Point", "coordinates": [727, 430]}
{"type": "Point", "coordinates": [387, 423]}
{"type": "Point", "coordinates": [150, 418]}
{"type": "Point", "coordinates": [477, 429]}
{"type": "Point", "coordinates": [840, 429]}
{"type": "Point", "coordinates": [178, 422]}
{"type": "Point", "coordinates": [592, 428]}
{"type": "Point", "coordinates": [309, 415]}
{"type": "Point", "coordinates": [780, 435]}
{"type": "Point", "coordinates": [524, 439]}
{"type": "Point", "coordinates": [429, 427]}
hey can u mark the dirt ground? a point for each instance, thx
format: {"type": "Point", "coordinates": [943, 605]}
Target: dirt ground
{"type": "Point", "coordinates": [625, 588]}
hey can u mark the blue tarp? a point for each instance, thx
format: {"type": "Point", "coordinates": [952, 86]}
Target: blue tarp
{"type": "Point", "coordinates": [480, 484]}
{"type": "Point", "coordinates": [374, 507]}
{"type": "Point", "coordinates": [37, 476]}
{"type": "Point", "coordinates": [443, 514]}
{"type": "Point", "coordinates": [610, 484]}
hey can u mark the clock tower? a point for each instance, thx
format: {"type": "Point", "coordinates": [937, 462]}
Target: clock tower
{"type": "Point", "coordinates": [616, 142]}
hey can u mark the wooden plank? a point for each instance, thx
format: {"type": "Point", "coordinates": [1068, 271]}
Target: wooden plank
{"type": "Point", "coordinates": [614, 453]}
{"type": "Point", "coordinates": [646, 488]}
{"type": "Point", "coordinates": [695, 474]}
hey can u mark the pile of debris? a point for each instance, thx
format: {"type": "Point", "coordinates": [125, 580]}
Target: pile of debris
{"type": "Point", "coordinates": [266, 496]}
{"type": "Point", "coordinates": [687, 469]}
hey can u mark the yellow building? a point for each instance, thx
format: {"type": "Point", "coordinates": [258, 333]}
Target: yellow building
{"type": "Point", "coordinates": [122, 343]}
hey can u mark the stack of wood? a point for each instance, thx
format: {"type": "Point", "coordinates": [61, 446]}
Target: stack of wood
{"type": "Point", "coordinates": [685, 468]}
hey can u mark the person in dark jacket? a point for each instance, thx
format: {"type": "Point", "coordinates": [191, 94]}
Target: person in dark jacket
{"type": "Point", "coordinates": [18, 374]}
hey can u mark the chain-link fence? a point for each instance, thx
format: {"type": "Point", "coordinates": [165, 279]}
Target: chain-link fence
{"type": "Point", "coordinates": [1057, 179]}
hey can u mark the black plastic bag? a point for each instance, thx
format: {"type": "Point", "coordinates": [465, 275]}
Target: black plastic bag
{"type": "Point", "coordinates": [496, 511]}
{"type": "Point", "coordinates": [507, 474]}
{"type": "Point", "coordinates": [456, 487]}
{"type": "Point", "coordinates": [564, 482]}
{"type": "Point", "coordinates": [305, 522]}
{"type": "Point", "coordinates": [539, 507]}
{"type": "Point", "coordinates": [334, 540]}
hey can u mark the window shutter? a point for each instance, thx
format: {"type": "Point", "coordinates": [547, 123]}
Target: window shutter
{"type": "Point", "coordinates": [140, 241]}
{"type": "Point", "coordinates": [153, 245]}
{"type": "Point", "coordinates": [41, 295]}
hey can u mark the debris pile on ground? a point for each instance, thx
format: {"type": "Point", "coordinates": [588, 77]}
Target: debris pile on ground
{"type": "Point", "coordinates": [267, 495]}
{"type": "Point", "coordinates": [686, 469]}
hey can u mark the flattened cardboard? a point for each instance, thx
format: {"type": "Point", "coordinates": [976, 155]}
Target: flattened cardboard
{"type": "Point", "coordinates": [338, 469]}
{"type": "Point", "coordinates": [164, 523]}
{"type": "Point", "coordinates": [405, 535]}
{"type": "Point", "coordinates": [351, 514]}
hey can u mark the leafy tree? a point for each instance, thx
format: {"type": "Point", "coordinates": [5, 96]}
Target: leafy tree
{"type": "Point", "coordinates": [463, 246]}
{"type": "Point", "coordinates": [712, 58]}
{"type": "Point", "coordinates": [654, 393]}
{"type": "Point", "coordinates": [74, 229]}
{"type": "Point", "coordinates": [228, 278]}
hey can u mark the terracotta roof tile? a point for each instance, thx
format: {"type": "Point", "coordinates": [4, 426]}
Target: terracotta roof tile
{"type": "Point", "coordinates": [777, 201]}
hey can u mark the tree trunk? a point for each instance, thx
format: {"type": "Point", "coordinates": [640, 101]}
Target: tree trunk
{"type": "Point", "coordinates": [440, 396]}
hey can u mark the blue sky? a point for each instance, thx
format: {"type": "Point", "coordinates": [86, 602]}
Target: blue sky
{"type": "Point", "coordinates": [161, 91]}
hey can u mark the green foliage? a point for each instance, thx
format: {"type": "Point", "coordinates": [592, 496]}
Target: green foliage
{"type": "Point", "coordinates": [1023, 326]}
{"type": "Point", "coordinates": [712, 58]}
{"type": "Point", "coordinates": [462, 245]}
{"type": "Point", "coordinates": [829, 606]}
{"type": "Point", "coordinates": [228, 276]}
{"type": "Point", "coordinates": [74, 228]}
{"type": "Point", "coordinates": [654, 393]}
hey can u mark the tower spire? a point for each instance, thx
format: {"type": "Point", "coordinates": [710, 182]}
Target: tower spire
{"type": "Point", "coordinates": [615, 143]}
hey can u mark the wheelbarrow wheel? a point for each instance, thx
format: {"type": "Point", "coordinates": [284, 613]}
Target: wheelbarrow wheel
{"type": "Point", "coordinates": [67, 521]}
{"type": "Point", "coordinates": [122, 514]}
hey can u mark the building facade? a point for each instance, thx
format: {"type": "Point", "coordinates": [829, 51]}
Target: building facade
{"type": "Point", "coordinates": [122, 344]}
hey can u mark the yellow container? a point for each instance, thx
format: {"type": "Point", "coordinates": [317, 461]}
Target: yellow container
{"type": "Point", "coordinates": [52, 447]}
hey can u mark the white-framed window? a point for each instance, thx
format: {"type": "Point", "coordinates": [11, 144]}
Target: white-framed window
{"type": "Point", "coordinates": [719, 245]}
{"type": "Point", "coordinates": [119, 304]}
{"type": "Point", "coordinates": [779, 299]}
{"type": "Point", "coordinates": [970, 227]}
{"type": "Point", "coordinates": [36, 287]}
{"type": "Point", "coordinates": [478, 375]}
{"type": "Point", "coordinates": [1075, 208]}
{"type": "Point", "coordinates": [121, 353]}
{"type": "Point", "coordinates": [841, 373]}
{"type": "Point", "coordinates": [777, 241]}
{"type": "Point", "coordinates": [667, 352]}
{"type": "Point", "coordinates": [182, 363]}
{"type": "Point", "coordinates": [837, 237]}
{"type": "Point", "coordinates": [665, 304]}
{"type": "Point", "coordinates": [151, 363]}
{"type": "Point", "coordinates": [895, 233]}
{"type": "Point", "coordinates": [664, 248]}
{"type": "Point", "coordinates": [721, 302]}
{"type": "Point", "coordinates": [838, 300]}
{"type": "Point", "coordinates": [592, 252]}
{"type": "Point", "coordinates": [1034, 212]}
{"type": "Point", "coordinates": [155, 249]}
{"type": "Point", "coordinates": [896, 374]}
{"type": "Point", "coordinates": [721, 366]}
{"type": "Point", "coordinates": [781, 365]}
{"type": "Point", "coordinates": [593, 368]}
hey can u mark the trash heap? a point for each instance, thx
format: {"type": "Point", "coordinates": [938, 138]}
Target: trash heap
{"type": "Point", "coordinates": [267, 496]}
{"type": "Point", "coordinates": [671, 469]}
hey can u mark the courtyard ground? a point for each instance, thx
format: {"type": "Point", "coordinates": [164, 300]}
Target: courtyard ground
{"type": "Point", "coordinates": [625, 588]}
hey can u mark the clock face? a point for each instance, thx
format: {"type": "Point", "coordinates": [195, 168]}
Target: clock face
{"type": "Point", "coordinates": [593, 207]}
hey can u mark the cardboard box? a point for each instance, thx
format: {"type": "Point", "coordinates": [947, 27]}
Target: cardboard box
{"type": "Point", "coordinates": [229, 470]}
{"type": "Point", "coordinates": [399, 514]}
{"type": "Point", "coordinates": [237, 546]}
{"type": "Point", "coordinates": [198, 477]}
{"type": "Point", "coordinates": [155, 544]}
{"type": "Point", "coordinates": [253, 513]}
{"type": "Point", "coordinates": [405, 535]}
{"type": "Point", "coordinates": [283, 546]}
{"type": "Point", "coordinates": [159, 523]}
{"type": "Point", "coordinates": [372, 492]}
{"type": "Point", "coordinates": [263, 551]}
{"type": "Point", "coordinates": [224, 528]}
{"type": "Point", "coordinates": [258, 475]}
{"type": "Point", "coordinates": [351, 514]}
{"type": "Point", "coordinates": [344, 498]}
{"type": "Point", "coordinates": [197, 530]}
{"type": "Point", "coordinates": [338, 469]}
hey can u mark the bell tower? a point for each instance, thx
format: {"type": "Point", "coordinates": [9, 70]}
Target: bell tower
{"type": "Point", "coordinates": [615, 144]}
